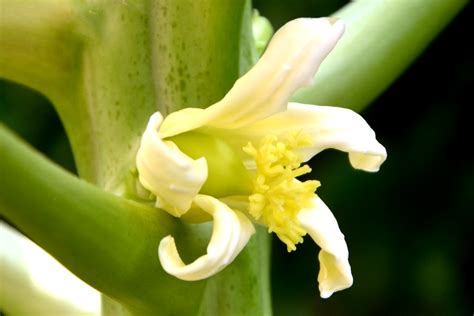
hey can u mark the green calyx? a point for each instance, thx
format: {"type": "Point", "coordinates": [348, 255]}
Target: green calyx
{"type": "Point", "coordinates": [227, 175]}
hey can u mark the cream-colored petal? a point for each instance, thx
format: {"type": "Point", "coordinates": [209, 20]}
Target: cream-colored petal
{"type": "Point", "coordinates": [328, 127]}
{"type": "Point", "coordinates": [230, 234]}
{"type": "Point", "coordinates": [167, 172]}
{"type": "Point", "coordinates": [335, 271]}
{"type": "Point", "coordinates": [290, 62]}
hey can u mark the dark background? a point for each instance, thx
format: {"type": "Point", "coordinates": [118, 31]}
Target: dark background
{"type": "Point", "coordinates": [409, 227]}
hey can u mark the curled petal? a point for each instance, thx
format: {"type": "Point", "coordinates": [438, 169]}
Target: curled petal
{"type": "Point", "coordinates": [230, 234]}
{"type": "Point", "coordinates": [290, 62]}
{"type": "Point", "coordinates": [335, 271]}
{"type": "Point", "coordinates": [167, 172]}
{"type": "Point", "coordinates": [328, 127]}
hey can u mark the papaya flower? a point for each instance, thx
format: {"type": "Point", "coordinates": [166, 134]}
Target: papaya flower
{"type": "Point", "coordinates": [237, 161]}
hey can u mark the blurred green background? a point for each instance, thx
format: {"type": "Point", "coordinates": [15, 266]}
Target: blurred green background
{"type": "Point", "coordinates": [409, 227]}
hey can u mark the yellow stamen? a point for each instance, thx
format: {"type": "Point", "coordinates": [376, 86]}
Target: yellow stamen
{"type": "Point", "coordinates": [277, 195]}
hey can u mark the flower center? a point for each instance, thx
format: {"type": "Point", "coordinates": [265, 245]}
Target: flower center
{"type": "Point", "coordinates": [277, 195]}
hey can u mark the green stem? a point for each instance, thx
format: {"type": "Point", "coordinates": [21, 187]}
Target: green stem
{"type": "Point", "coordinates": [243, 288]}
{"type": "Point", "coordinates": [107, 241]}
{"type": "Point", "coordinates": [37, 47]}
{"type": "Point", "coordinates": [111, 243]}
{"type": "Point", "coordinates": [193, 68]}
{"type": "Point", "coordinates": [108, 65]}
{"type": "Point", "coordinates": [119, 79]}
{"type": "Point", "coordinates": [382, 39]}
{"type": "Point", "coordinates": [90, 59]}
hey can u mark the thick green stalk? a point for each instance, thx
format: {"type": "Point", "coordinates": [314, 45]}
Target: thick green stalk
{"type": "Point", "coordinates": [120, 75]}
{"type": "Point", "coordinates": [186, 56]}
{"type": "Point", "coordinates": [109, 242]}
{"type": "Point", "coordinates": [37, 48]}
{"type": "Point", "coordinates": [92, 60]}
{"type": "Point", "coordinates": [108, 65]}
{"type": "Point", "coordinates": [236, 295]}
{"type": "Point", "coordinates": [382, 39]}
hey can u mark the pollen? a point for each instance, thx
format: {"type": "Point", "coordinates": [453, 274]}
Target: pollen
{"type": "Point", "coordinates": [277, 195]}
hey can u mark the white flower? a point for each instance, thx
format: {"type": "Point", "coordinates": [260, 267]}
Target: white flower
{"type": "Point", "coordinates": [237, 161]}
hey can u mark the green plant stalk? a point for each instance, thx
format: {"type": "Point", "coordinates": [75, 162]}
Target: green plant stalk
{"type": "Point", "coordinates": [115, 79]}
{"type": "Point", "coordinates": [98, 64]}
{"type": "Point", "coordinates": [67, 50]}
{"type": "Point", "coordinates": [45, 55]}
{"type": "Point", "coordinates": [237, 296]}
{"type": "Point", "coordinates": [108, 241]}
{"type": "Point", "coordinates": [108, 65]}
{"type": "Point", "coordinates": [185, 57]}
{"type": "Point", "coordinates": [114, 247]}
{"type": "Point", "coordinates": [122, 262]}
{"type": "Point", "coordinates": [382, 39]}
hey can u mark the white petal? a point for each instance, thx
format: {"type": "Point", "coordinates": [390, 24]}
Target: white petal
{"type": "Point", "coordinates": [168, 173]}
{"type": "Point", "coordinates": [329, 127]}
{"type": "Point", "coordinates": [230, 234]}
{"type": "Point", "coordinates": [290, 62]}
{"type": "Point", "coordinates": [335, 271]}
